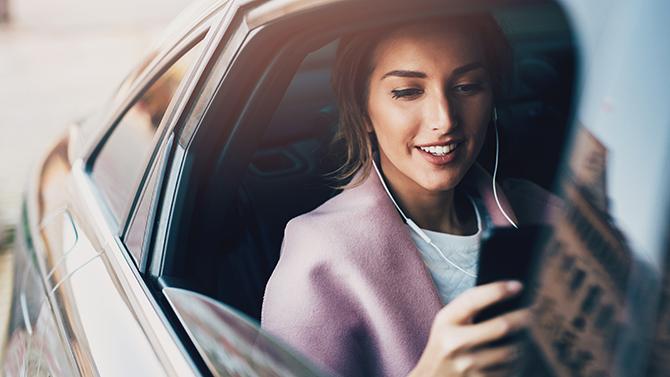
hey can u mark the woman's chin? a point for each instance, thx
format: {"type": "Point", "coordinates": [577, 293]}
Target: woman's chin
{"type": "Point", "coordinates": [439, 186]}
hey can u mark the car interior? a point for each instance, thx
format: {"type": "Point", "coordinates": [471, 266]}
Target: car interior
{"type": "Point", "coordinates": [290, 172]}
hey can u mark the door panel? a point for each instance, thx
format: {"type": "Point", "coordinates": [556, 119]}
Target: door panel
{"type": "Point", "coordinates": [105, 335]}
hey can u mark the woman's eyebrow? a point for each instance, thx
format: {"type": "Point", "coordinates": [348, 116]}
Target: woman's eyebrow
{"type": "Point", "coordinates": [467, 68]}
{"type": "Point", "coordinates": [403, 73]}
{"type": "Point", "coordinates": [421, 75]}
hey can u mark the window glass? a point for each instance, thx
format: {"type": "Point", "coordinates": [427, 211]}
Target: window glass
{"type": "Point", "coordinates": [92, 124]}
{"type": "Point", "coordinates": [124, 156]}
{"type": "Point", "coordinates": [139, 231]}
{"type": "Point", "coordinates": [128, 83]}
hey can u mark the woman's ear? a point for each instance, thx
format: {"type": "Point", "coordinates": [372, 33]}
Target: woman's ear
{"type": "Point", "coordinates": [368, 124]}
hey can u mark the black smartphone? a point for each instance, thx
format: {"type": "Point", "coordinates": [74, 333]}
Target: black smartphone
{"type": "Point", "coordinates": [509, 254]}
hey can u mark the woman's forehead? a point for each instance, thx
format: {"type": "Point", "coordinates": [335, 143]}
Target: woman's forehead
{"type": "Point", "coordinates": [424, 46]}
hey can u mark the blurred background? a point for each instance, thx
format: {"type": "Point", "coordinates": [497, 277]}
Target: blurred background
{"type": "Point", "coordinates": [60, 59]}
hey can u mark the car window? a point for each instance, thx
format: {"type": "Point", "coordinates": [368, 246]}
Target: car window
{"type": "Point", "coordinates": [93, 123]}
{"type": "Point", "coordinates": [123, 157]}
{"type": "Point", "coordinates": [126, 86]}
{"type": "Point", "coordinates": [290, 170]}
{"type": "Point", "coordinates": [291, 156]}
{"type": "Point", "coordinates": [139, 230]}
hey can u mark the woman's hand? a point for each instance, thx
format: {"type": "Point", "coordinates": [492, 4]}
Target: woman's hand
{"type": "Point", "coordinates": [457, 347]}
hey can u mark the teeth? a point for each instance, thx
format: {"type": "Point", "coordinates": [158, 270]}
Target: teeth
{"type": "Point", "coordinates": [439, 150]}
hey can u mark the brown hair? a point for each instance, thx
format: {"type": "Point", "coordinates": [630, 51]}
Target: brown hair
{"type": "Point", "coordinates": [351, 80]}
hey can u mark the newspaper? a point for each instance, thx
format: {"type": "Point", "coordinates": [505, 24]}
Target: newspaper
{"type": "Point", "coordinates": [580, 287]}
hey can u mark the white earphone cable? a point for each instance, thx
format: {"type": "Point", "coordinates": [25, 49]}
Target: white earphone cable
{"type": "Point", "coordinates": [412, 225]}
{"type": "Point", "coordinates": [495, 170]}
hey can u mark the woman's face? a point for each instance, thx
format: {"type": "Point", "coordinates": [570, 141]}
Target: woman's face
{"type": "Point", "coordinates": [430, 101]}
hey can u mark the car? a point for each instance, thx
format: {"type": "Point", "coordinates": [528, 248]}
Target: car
{"type": "Point", "coordinates": [149, 229]}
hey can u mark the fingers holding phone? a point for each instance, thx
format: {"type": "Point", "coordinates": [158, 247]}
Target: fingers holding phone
{"type": "Point", "coordinates": [458, 347]}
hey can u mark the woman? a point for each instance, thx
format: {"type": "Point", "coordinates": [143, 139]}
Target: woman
{"type": "Point", "coordinates": [379, 280]}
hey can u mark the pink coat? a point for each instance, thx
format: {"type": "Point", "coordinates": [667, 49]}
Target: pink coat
{"type": "Point", "coordinates": [350, 289]}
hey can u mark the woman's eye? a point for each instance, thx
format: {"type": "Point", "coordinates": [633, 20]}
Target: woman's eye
{"type": "Point", "coordinates": [467, 88]}
{"type": "Point", "coordinates": [406, 93]}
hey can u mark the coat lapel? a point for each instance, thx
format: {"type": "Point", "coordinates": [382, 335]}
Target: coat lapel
{"type": "Point", "coordinates": [400, 247]}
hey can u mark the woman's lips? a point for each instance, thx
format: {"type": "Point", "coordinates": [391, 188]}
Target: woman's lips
{"type": "Point", "coordinates": [438, 158]}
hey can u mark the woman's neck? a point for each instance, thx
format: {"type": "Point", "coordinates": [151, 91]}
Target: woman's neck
{"type": "Point", "coordinates": [443, 211]}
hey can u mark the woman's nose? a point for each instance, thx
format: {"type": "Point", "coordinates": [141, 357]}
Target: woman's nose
{"type": "Point", "coordinates": [440, 114]}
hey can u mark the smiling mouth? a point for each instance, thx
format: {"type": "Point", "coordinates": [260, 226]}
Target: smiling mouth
{"type": "Point", "coordinates": [439, 150]}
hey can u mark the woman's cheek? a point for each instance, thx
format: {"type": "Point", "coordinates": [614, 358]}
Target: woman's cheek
{"type": "Point", "coordinates": [407, 118]}
{"type": "Point", "coordinates": [393, 123]}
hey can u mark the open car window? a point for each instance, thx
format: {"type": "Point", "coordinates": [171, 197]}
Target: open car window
{"type": "Point", "coordinates": [281, 167]}
{"type": "Point", "coordinates": [290, 163]}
